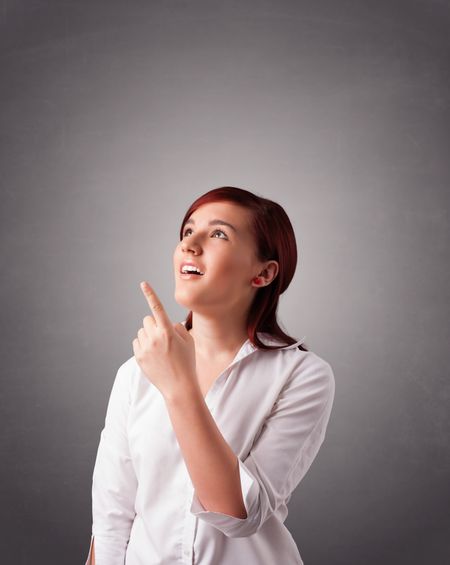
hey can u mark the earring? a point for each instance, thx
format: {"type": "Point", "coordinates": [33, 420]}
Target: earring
{"type": "Point", "coordinates": [257, 280]}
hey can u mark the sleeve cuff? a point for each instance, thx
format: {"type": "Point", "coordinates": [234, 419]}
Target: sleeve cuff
{"type": "Point", "coordinates": [232, 526]}
{"type": "Point", "coordinates": [108, 550]}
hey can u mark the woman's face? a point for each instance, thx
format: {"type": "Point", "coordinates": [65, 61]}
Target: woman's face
{"type": "Point", "coordinates": [225, 255]}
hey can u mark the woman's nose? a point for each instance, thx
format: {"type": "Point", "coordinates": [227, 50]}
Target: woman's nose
{"type": "Point", "coordinates": [185, 245]}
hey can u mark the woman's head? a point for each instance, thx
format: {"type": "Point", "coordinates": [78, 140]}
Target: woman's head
{"type": "Point", "coordinates": [248, 261]}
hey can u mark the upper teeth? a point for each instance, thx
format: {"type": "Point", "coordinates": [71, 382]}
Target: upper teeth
{"type": "Point", "coordinates": [191, 268]}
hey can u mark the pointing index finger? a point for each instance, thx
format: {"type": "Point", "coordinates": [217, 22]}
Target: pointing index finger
{"type": "Point", "coordinates": [161, 317]}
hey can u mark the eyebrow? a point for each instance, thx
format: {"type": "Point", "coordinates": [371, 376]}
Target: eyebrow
{"type": "Point", "coordinates": [214, 223]}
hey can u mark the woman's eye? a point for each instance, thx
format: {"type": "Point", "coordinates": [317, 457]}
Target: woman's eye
{"type": "Point", "coordinates": [220, 231]}
{"type": "Point", "coordinates": [214, 232]}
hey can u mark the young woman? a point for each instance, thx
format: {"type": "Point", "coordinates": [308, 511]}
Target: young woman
{"type": "Point", "coordinates": [214, 421]}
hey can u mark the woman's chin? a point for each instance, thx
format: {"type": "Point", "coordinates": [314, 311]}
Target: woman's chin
{"type": "Point", "coordinates": [186, 300]}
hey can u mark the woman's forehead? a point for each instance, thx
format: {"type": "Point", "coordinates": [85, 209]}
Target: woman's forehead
{"type": "Point", "coordinates": [225, 210]}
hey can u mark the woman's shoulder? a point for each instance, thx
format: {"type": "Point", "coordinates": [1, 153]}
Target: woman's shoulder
{"type": "Point", "coordinates": [307, 357]}
{"type": "Point", "coordinates": [129, 366]}
{"type": "Point", "coordinates": [303, 364]}
{"type": "Point", "coordinates": [128, 373]}
{"type": "Point", "coordinates": [315, 374]}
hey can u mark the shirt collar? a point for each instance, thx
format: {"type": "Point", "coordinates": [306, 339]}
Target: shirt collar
{"type": "Point", "coordinates": [268, 339]}
{"type": "Point", "coordinates": [247, 347]}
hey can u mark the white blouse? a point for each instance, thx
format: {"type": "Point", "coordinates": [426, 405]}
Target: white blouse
{"type": "Point", "coordinates": [272, 407]}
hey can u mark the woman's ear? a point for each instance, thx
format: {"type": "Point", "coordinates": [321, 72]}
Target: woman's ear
{"type": "Point", "coordinates": [270, 271]}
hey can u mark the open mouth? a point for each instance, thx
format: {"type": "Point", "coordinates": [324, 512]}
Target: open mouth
{"type": "Point", "coordinates": [190, 274]}
{"type": "Point", "coordinates": [191, 271]}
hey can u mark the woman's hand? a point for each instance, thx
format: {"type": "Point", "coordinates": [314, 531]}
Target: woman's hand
{"type": "Point", "coordinates": [165, 351]}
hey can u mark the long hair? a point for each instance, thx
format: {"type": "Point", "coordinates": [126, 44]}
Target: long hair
{"type": "Point", "coordinates": [275, 240]}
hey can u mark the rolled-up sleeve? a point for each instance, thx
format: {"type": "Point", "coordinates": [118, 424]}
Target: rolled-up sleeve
{"type": "Point", "coordinates": [232, 526]}
{"type": "Point", "coordinates": [114, 483]}
{"type": "Point", "coordinates": [283, 452]}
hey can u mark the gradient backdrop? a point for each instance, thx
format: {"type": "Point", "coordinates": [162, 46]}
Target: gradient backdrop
{"type": "Point", "coordinates": [115, 116]}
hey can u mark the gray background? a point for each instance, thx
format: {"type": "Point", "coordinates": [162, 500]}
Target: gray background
{"type": "Point", "coordinates": [114, 117]}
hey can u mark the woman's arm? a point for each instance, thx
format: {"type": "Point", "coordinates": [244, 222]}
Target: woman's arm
{"type": "Point", "coordinates": [211, 463]}
{"type": "Point", "coordinates": [165, 353]}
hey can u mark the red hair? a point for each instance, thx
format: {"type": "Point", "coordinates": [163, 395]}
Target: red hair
{"type": "Point", "coordinates": [275, 240]}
